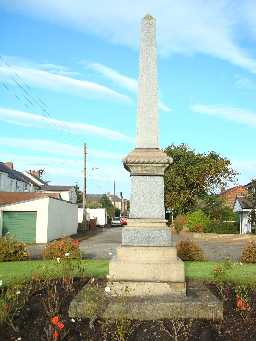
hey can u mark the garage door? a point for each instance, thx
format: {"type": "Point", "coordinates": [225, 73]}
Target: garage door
{"type": "Point", "coordinates": [20, 225]}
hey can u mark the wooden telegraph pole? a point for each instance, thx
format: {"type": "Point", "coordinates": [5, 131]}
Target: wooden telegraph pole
{"type": "Point", "coordinates": [114, 198]}
{"type": "Point", "coordinates": [84, 191]}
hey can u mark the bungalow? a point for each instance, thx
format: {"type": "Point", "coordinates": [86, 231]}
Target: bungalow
{"type": "Point", "coordinates": [243, 206]}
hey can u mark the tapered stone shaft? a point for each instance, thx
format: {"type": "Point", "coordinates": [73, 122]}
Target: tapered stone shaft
{"type": "Point", "coordinates": [147, 110]}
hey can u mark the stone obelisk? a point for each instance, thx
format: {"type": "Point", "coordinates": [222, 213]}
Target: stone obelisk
{"type": "Point", "coordinates": [146, 263]}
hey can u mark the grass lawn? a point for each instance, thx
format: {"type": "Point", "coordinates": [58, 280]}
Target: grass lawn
{"type": "Point", "coordinates": [16, 271]}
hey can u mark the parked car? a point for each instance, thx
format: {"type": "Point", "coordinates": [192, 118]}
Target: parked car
{"type": "Point", "coordinates": [123, 221]}
{"type": "Point", "coordinates": [116, 221]}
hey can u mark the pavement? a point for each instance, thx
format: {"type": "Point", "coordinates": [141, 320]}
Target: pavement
{"type": "Point", "coordinates": [103, 244]}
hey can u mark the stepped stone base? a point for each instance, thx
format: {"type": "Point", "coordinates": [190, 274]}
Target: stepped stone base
{"type": "Point", "coordinates": [146, 289]}
{"type": "Point", "coordinates": [199, 303]}
{"type": "Point", "coordinates": [157, 264]}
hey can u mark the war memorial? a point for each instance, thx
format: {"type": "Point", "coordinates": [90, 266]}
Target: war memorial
{"type": "Point", "coordinates": [146, 278]}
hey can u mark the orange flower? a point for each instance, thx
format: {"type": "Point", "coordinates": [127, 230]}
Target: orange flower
{"type": "Point", "coordinates": [55, 335]}
{"type": "Point", "coordinates": [60, 325]}
{"type": "Point", "coordinates": [55, 320]}
{"type": "Point", "coordinates": [241, 304]}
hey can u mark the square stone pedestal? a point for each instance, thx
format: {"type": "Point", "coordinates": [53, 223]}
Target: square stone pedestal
{"type": "Point", "coordinates": [146, 271]}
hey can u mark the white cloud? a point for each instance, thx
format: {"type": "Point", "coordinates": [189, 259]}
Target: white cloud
{"type": "Point", "coordinates": [184, 26]}
{"type": "Point", "coordinates": [244, 83]}
{"type": "Point", "coordinates": [118, 78]}
{"type": "Point", "coordinates": [56, 78]}
{"type": "Point", "coordinates": [54, 147]}
{"type": "Point", "coordinates": [121, 80]}
{"type": "Point", "coordinates": [246, 168]}
{"type": "Point", "coordinates": [234, 114]}
{"type": "Point", "coordinates": [31, 119]}
{"type": "Point", "coordinates": [57, 168]}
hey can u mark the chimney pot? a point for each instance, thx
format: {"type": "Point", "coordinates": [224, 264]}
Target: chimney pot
{"type": "Point", "coordinates": [9, 165]}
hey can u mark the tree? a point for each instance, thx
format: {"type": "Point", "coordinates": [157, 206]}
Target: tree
{"type": "Point", "coordinates": [252, 198]}
{"type": "Point", "coordinates": [79, 194]}
{"type": "Point", "coordinates": [107, 204]}
{"type": "Point", "coordinates": [215, 208]}
{"type": "Point", "coordinates": [193, 175]}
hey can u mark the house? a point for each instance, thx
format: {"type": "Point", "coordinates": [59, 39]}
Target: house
{"type": "Point", "coordinates": [36, 177]}
{"type": "Point", "coordinates": [93, 200]}
{"type": "Point", "coordinates": [229, 196]}
{"type": "Point", "coordinates": [243, 206]}
{"type": "Point", "coordinates": [36, 217]}
{"type": "Point", "coordinates": [14, 181]}
{"type": "Point", "coordinates": [67, 193]}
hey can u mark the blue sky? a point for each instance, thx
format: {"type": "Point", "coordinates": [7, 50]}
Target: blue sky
{"type": "Point", "coordinates": [68, 73]}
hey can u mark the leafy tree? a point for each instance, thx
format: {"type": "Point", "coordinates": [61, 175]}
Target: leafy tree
{"type": "Point", "coordinates": [193, 175]}
{"type": "Point", "coordinates": [117, 212]}
{"type": "Point", "coordinates": [107, 204]}
{"type": "Point", "coordinates": [252, 198]}
{"type": "Point", "coordinates": [214, 207]}
{"type": "Point", "coordinates": [79, 194]}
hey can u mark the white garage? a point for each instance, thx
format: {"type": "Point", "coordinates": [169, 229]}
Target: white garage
{"type": "Point", "coordinates": [36, 217]}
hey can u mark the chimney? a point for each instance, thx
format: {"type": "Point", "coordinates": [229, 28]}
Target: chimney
{"type": "Point", "coordinates": [9, 165]}
{"type": "Point", "coordinates": [34, 173]}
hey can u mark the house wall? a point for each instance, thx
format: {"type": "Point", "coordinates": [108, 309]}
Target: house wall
{"type": "Point", "coordinates": [11, 185]}
{"type": "Point", "coordinates": [99, 213]}
{"type": "Point", "coordinates": [245, 226]}
{"type": "Point", "coordinates": [62, 219]}
{"type": "Point", "coordinates": [41, 207]}
{"type": "Point", "coordinates": [66, 195]}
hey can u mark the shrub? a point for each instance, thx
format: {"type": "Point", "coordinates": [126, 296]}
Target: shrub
{"type": "Point", "coordinates": [188, 250]}
{"type": "Point", "coordinates": [249, 253]}
{"type": "Point", "coordinates": [180, 222]}
{"type": "Point", "coordinates": [66, 247]}
{"type": "Point", "coordinates": [12, 250]}
{"type": "Point", "coordinates": [198, 221]}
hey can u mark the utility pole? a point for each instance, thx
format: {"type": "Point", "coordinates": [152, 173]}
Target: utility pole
{"type": "Point", "coordinates": [122, 208]}
{"type": "Point", "coordinates": [114, 198]}
{"type": "Point", "coordinates": [84, 191]}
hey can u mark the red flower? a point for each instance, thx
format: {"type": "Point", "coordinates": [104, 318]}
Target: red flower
{"type": "Point", "coordinates": [55, 320]}
{"type": "Point", "coordinates": [55, 335]}
{"type": "Point", "coordinates": [241, 304]}
{"type": "Point", "coordinates": [75, 243]}
{"type": "Point", "coordinates": [60, 325]}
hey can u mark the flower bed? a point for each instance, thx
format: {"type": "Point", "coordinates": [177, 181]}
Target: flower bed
{"type": "Point", "coordinates": [45, 317]}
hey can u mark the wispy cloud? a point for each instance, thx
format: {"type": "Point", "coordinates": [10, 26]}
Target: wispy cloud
{"type": "Point", "coordinates": [56, 78]}
{"type": "Point", "coordinates": [121, 80]}
{"type": "Point", "coordinates": [186, 27]}
{"type": "Point", "coordinates": [55, 147]}
{"type": "Point", "coordinates": [234, 114]}
{"type": "Point", "coordinates": [67, 167]}
{"type": "Point", "coordinates": [32, 119]}
{"type": "Point", "coordinates": [246, 83]}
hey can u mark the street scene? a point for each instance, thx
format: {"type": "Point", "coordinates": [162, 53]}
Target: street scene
{"type": "Point", "coordinates": [127, 171]}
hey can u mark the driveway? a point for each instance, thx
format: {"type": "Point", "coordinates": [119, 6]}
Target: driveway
{"type": "Point", "coordinates": [103, 245]}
